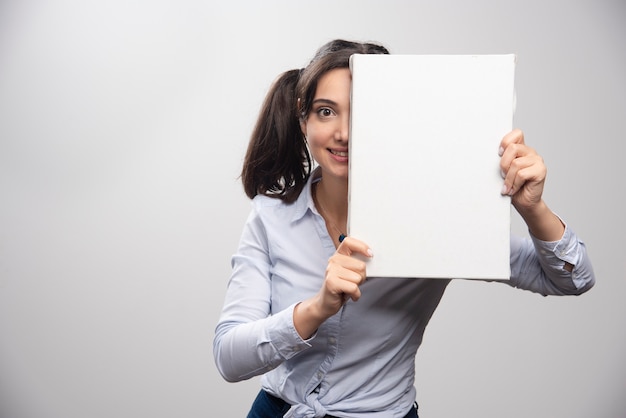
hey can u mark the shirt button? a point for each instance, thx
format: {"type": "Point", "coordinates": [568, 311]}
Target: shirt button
{"type": "Point", "coordinates": [332, 340]}
{"type": "Point", "coordinates": [319, 375]}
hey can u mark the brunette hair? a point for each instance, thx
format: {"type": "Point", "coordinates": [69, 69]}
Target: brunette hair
{"type": "Point", "coordinates": [277, 162]}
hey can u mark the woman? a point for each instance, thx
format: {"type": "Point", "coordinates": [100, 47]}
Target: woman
{"type": "Point", "coordinates": [299, 309]}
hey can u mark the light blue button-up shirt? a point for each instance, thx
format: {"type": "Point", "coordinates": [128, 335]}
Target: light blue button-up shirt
{"type": "Point", "coordinates": [361, 361]}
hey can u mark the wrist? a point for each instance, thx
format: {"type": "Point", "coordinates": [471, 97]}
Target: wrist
{"type": "Point", "coordinates": [542, 223]}
{"type": "Point", "coordinates": [307, 317]}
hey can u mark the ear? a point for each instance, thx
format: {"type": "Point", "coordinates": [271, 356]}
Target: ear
{"type": "Point", "coordinates": [303, 127]}
{"type": "Point", "coordinates": [301, 120]}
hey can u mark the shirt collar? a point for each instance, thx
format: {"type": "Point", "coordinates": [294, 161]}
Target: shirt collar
{"type": "Point", "coordinates": [305, 200]}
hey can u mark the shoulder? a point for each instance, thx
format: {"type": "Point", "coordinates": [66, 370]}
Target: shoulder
{"type": "Point", "coordinates": [267, 205]}
{"type": "Point", "coordinates": [274, 210]}
{"type": "Point", "coordinates": [261, 201]}
{"type": "Point", "coordinates": [264, 204]}
{"type": "Point", "coordinates": [270, 218]}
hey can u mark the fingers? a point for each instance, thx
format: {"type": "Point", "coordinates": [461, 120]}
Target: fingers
{"type": "Point", "coordinates": [343, 284]}
{"type": "Point", "coordinates": [522, 169]}
{"type": "Point", "coordinates": [512, 148]}
{"type": "Point", "coordinates": [525, 167]}
{"type": "Point", "coordinates": [351, 246]}
{"type": "Point", "coordinates": [346, 271]}
{"type": "Point", "coordinates": [349, 260]}
{"type": "Point", "coordinates": [516, 136]}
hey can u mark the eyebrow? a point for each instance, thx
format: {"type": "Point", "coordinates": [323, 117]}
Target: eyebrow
{"type": "Point", "coordinates": [324, 101]}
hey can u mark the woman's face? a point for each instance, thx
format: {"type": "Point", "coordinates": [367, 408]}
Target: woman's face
{"type": "Point", "coordinates": [326, 126]}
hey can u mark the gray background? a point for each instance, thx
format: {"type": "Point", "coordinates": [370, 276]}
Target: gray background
{"type": "Point", "coordinates": [123, 126]}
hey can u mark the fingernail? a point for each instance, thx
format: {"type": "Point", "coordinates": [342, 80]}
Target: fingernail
{"type": "Point", "coordinates": [504, 189]}
{"type": "Point", "coordinates": [370, 253]}
{"type": "Point", "coordinates": [500, 151]}
{"type": "Point", "coordinates": [502, 173]}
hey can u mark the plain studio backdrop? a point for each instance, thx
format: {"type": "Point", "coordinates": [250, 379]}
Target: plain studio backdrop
{"type": "Point", "coordinates": [123, 126]}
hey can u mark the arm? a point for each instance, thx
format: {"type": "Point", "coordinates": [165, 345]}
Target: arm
{"type": "Point", "coordinates": [248, 340]}
{"type": "Point", "coordinates": [259, 327]}
{"type": "Point", "coordinates": [524, 177]}
{"type": "Point", "coordinates": [555, 261]}
{"type": "Point", "coordinates": [551, 267]}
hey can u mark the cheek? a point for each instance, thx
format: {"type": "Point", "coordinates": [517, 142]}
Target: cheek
{"type": "Point", "coordinates": [316, 143]}
{"type": "Point", "coordinates": [317, 134]}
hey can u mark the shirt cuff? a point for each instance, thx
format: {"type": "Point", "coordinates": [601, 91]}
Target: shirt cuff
{"type": "Point", "coordinates": [284, 337]}
{"type": "Point", "coordinates": [557, 252]}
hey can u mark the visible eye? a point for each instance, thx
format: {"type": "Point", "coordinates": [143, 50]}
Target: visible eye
{"type": "Point", "coordinates": [325, 112]}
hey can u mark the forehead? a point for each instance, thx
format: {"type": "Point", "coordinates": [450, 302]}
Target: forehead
{"type": "Point", "coordinates": [334, 84]}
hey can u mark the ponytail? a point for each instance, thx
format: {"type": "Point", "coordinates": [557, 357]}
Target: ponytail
{"type": "Point", "coordinates": [277, 161]}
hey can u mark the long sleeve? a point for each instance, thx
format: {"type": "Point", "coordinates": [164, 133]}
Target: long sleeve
{"type": "Point", "coordinates": [249, 339]}
{"type": "Point", "coordinates": [244, 350]}
{"type": "Point", "coordinates": [544, 267]}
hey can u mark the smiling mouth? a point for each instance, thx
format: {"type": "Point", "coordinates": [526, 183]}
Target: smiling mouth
{"type": "Point", "coordinates": [339, 153]}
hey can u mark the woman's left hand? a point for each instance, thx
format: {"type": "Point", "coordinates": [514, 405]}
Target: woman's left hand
{"type": "Point", "coordinates": [524, 176]}
{"type": "Point", "coordinates": [523, 170]}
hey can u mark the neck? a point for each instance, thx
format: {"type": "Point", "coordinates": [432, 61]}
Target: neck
{"type": "Point", "coordinates": [333, 197]}
{"type": "Point", "coordinates": [332, 204]}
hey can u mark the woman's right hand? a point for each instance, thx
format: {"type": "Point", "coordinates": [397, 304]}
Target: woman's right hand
{"type": "Point", "coordinates": [344, 274]}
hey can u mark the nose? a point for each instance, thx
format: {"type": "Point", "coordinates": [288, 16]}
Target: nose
{"type": "Point", "coordinates": [343, 129]}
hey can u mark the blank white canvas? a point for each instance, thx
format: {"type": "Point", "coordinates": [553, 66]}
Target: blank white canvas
{"type": "Point", "coordinates": [425, 179]}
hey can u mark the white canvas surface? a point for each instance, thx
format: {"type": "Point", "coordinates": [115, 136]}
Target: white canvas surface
{"type": "Point", "coordinates": [424, 167]}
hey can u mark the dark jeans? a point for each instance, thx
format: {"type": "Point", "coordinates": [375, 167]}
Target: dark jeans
{"type": "Point", "coordinates": [268, 406]}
